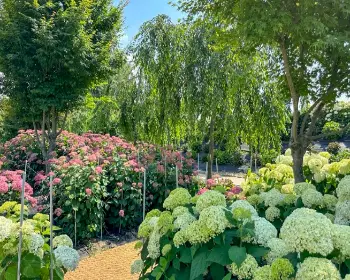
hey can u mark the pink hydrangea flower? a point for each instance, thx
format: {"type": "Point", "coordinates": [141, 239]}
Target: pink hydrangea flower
{"type": "Point", "coordinates": [121, 213]}
{"type": "Point", "coordinates": [201, 191]}
{"type": "Point", "coordinates": [236, 190]}
{"type": "Point", "coordinates": [211, 182]}
{"type": "Point", "coordinates": [58, 212]}
{"type": "Point", "coordinates": [88, 191]}
{"type": "Point", "coordinates": [4, 187]}
{"type": "Point", "coordinates": [133, 184]}
{"type": "Point", "coordinates": [98, 170]}
{"type": "Point", "coordinates": [119, 184]}
{"type": "Point", "coordinates": [56, 181]}
{"type": "Point", "coordinates": [139, 185]}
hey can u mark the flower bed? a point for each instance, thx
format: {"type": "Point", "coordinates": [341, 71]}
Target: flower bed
{"type": "Point", "coordinates": [204, 237]}
{"type": "Point", "coordinates": [98, 179]}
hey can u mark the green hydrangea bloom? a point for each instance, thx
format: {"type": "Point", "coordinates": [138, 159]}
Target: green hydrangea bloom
{"type": "Point", "coordinates": [153, 213]}
{"type": "Point", "coordinates": [154, 245]}
{"type": "Point", "coordinates": [62, 240]}
{"type": "Point", "coordinates": [272, 213]}
{"type": "Point", "coordinates": [35, 244]}
{"type": "Point", "coordinates": [320, 176]}
{"type": "Point", "coordinates": [178, 197]}
{"type": "Point", "coordinates": [307, 230]}
{"type": "Point", "coordinates": [286, 160]}
{"type": "Point", "coordinates": [247, 269]}
{"type": "Point", "coordinates": [264, 231]}
{"type": "Point", "coordinates": [198, 233]}
{"type": "Point", "coordinates": [278, 249]}
{"type": "Point", "coordinates": [331, 169]}
{"type": "Point", "coordinates": [325, 155]}
{"type": "Point", "coordinates": [7, 206]}
{"type": "Point", "coordinates": [180, 211]}
{"type": "Point", "coordinates": [341, 240]}
{"type": "Point", "coordinates": [299, 188]}
{"type": "Point", "coordinates": [289, 199]}
{"type": "Point", "coordinates": [6, 228]}
{"type": "Point", "coordinates": [281, 269]}
{"type": "Point", "coordinates": [210, 198]}
{"type": "Point", "coordinates": [214, 218]}
{"type": "Point", "coordinates": [311, 198]}
{"type": "Point", "coordinates": [330, 201]}
{"type": "Point", "coordinates": [137, 266]}
{"type": "Point", "coordinates": [165, 222]}
{"type": "Point", "coordinates": [343, 189]}
{"type": "Point", "coordinates": [244, 204]}
{"type": "Point", "coordinates": [138, 245]}
{"type": "Point", "coordinates": [241, 214]}
{"type": "Point", "coordinates": [166, 249]}
{"type": "Point", "coordinates": [254, 199]}
{"type": "Point", "coordinates": [288, 152]}
{"type": "Point", "coordinates": [263, 273]}
{"type": "Point", "coordinates": [147, 226]}
{"type": "Point", "coordinates": [317, 268]}
{"type": "Point", "coordinates": [287, 189]}
{"type": "Point", "coordinates": [66, 257]}
{"type": "Point", "coordinates": [344, 166]}
{"type": "Point", "coordinates": [41, 217]}
{"type": "Point", "coordinates": [347, 277]}
{"type": "Point", "coordinates": [180, 238]}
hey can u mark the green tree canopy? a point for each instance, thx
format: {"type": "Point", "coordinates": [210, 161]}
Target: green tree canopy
{"type": "Point", "coordinates": [52, 52]}
{"type": "Point", "coordinates": [308, 42]}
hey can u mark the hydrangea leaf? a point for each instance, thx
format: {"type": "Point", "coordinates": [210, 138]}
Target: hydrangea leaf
{"type": "Point", "coordinates": [257, 251]}
{"type": "Point", "coordinates": [31, 266]}
{"type": "Point", "coordinates": [217, 271]}
{"type": "Point", "coordinates": [220, 255]}
{"type": "Point", "coordinates": [176, 264]}
{"type": "Point", "coordinates": [185, 254]}
{"type": "Point", "coordinates": [11, 272]}
{"type": "Point", "coordinates": [227, 277]}
{"type": "Point", "coordinates": [237, 255]}
{"type": "Point", "coordinates": [199, 263]}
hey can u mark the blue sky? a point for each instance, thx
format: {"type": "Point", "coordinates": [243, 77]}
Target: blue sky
{"type": "Point", "coordinates": [139, 11]}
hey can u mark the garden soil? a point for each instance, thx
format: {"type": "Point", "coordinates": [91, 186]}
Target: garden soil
{"type": "Point", "coordinates": [112, 264]}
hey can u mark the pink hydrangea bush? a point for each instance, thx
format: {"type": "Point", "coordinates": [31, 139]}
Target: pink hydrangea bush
{"type": "Point", "coordinates": [11, 188]}
{"type": "Point", "coordinates": [96, 176]}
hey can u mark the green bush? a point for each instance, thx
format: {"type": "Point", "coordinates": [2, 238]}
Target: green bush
{"type": "Point", "coordinates": [334, 129]}
{"type": "Point", "coordinates": [223, 157]}
{"type": "Point", "coordinates": [196, 147]}
{"type": "Point", "coordinates": [269, 156]}
{"type": "Point", "coordinates": [343, 154]}
{"type": "Point", "coordinates": [333, 148]}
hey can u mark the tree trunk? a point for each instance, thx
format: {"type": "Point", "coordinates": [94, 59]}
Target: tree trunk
{"type": "Point", "coordinates": [298, 151]}
{"type": "Point", "coordinates": [211, 149]}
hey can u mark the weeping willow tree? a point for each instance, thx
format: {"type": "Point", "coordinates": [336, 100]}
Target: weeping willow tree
{"type": "Point", "coordinates": [184, 89]}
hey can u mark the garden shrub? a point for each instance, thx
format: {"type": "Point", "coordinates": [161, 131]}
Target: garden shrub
{"type": "Point", "coordinates": [196, 147]}
{"type": "Point", "coordinates": [334, 129]}
{"type": "Point", "coordinates": [98, 179]}
{"type": "Point", "coordinates": [268, 156]}
{"type": "Point", "coordinates": [192, 240]}
{"type": "Point", "coordinates": [35, 261]}
{"type": "Point", "coordinates": [333, 148]}
{"type": "Point", "coordinates": [342, 154]}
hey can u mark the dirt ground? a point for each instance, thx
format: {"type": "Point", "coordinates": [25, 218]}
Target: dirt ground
{"type": "Point", "coordinates": [113, 264]}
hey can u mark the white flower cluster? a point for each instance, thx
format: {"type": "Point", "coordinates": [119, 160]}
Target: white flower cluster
{"type": "Point", "coordinates": [272, 213]}
{"type": "Point", "coordinates": [299, 188]}
{"type": "Point", "coordinates": [178, 197]}
{"type": "Point", "coordinates": [342, 208]}
{"type": "Point", "coordinates": [341, 240]}
{"type": "Point", "coordinates": [312, 198]}
{"type": "Point", "coordinates": [247, 268]}
{"type": "Point", "coordinates": [36, 244]}
{"type": "Point", "coordinates": [210, 198]}
{"type": "Point", "coordinates": [245, 205]}
{"type": "Point", "coordinates": [66, 257]}
{"type": "Point", "coordinates": [317, 268]}
{"type": "Point", "coordinates": [184, 220]}
{"type": "Point", "coordinates": [343, 189]}
{"type": "Point", "coordinates": [62, 240]}
{"type": "Point", "coordinates": [180, 210]}
{"type": "Point", "coordinates": [272, 198]}
{"type": "Point", "coordinates": [6, 227]}
{"type": "Point", "coordinates": [137, 266]}
{"type": "Point", "coordinates": [307, 230]}
{"type": "Point", "coordinates": [264, 231]}
{"type": "Point", "coordinates": [278, 249]}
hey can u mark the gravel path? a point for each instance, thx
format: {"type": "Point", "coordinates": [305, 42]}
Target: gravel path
{"type": "Point", "coordinates": [112, 264]}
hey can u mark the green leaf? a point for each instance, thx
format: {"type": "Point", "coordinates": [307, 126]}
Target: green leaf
{"type": "Point", "coordinates": [11, 272]}
{"type": "Point", "coordinates": [185, 255]}
{"type": "Point", "coordinates": [58, 274]}
{"type": "Point", "coordinates": [227, 277]}
{"type": "Point", "coordinates": [199, 263]}
{"type": "Point", "coordinates": [220, 189]}
{"type": "Point", "coordinates": [237, 254]}
{"type": "Point", "coordinates": [229, 217]}
{"type": "Point", "coordinates": [156, 271]}
{"type": "Point", "coordinates": [31, 266]}
{"type": "Point", "coordinates": [347, 263]}
{"type": "Point", "coordinates": [220, 255]}
{"type": "Point", "coordinates": [217, 271]}
{"type": "Point", "coordinates": [163, 263]}
{"type": "Point", "coordinates": [229, 235]}
{"type": "Point", "coordinates": [257, 251]}
{"type": "Point", "coordinates": [176, 264]}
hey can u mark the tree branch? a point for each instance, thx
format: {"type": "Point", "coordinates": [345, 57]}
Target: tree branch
{"type": "Point", "coordinates": [308, 113]}
{"type": "Point", "coordinates": [63, 123]}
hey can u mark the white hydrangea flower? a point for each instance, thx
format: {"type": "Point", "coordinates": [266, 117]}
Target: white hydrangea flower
{"type": "Point", "coordinates": [287, 160]}
{"type": "Point", "coordinates": [288, 152]}
{"type": "Point", "coordinates": [341, 239]}
{"type": "Point", "coordinates": [320, 176]}
{"type": "Point", "coordinates": [66, 257]}
{"type": "Point", "coordinates": [287, 189]}
{"type": "Point", "coordinates": [263, 273]}
{"type": "Point", "coordinates": [278, 249]}
{"type": "Point", "coordinates": [247, 268]}
{"type": "Point", "coordinates": [343, 189]}
{"type": "Point", "coordinates": [299, 188]}
{"type": "Point", "coordinates": [153, 221]}
{"type": "Point", "coordinates": [214, 218]}
{"type": "Point", "coordinates": [184, 221]}
{"type": "Point", "coordinates": [36, 243]}
{"type": "Point", "coordinates": [154, 245]}
{"type": "Point", "coordinates": [311, 198]}
{"type": "Point", "coordinates": [177, 197]}
{"type": "Point", "coordinates": [180, 210]}
{"type": "Point", "coordinates": [6, 228]}
{"type": "Point", "coordinates": [342, 213]}
{"type": "Point", "coordinates": [331, 169]}
{"type": "Point", "coordinates": [347, 277]}
{"type": "Point", "coordinates": [325, 155]}
{"type": "Point", "coordinates": [344, 166]}
{"type": "Point", "coordinates": [246, 205]}
{"type": "Point", "coordinates": [307, 230]}
{"type": "Point", "coordinates": [62, 240]}
{"type": "Point", "coordinates": [264, 231]}
{"type": "Point", "coordinates": [317, 268]}
{"type": "Point", "coordinates": [137, 266]}
{"type": "Point", "coordinates": [272, 213]}
{"type": "Point", "coordinates": [210, 198]}
{"type": "Point", "coordinates": [273, 197]}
